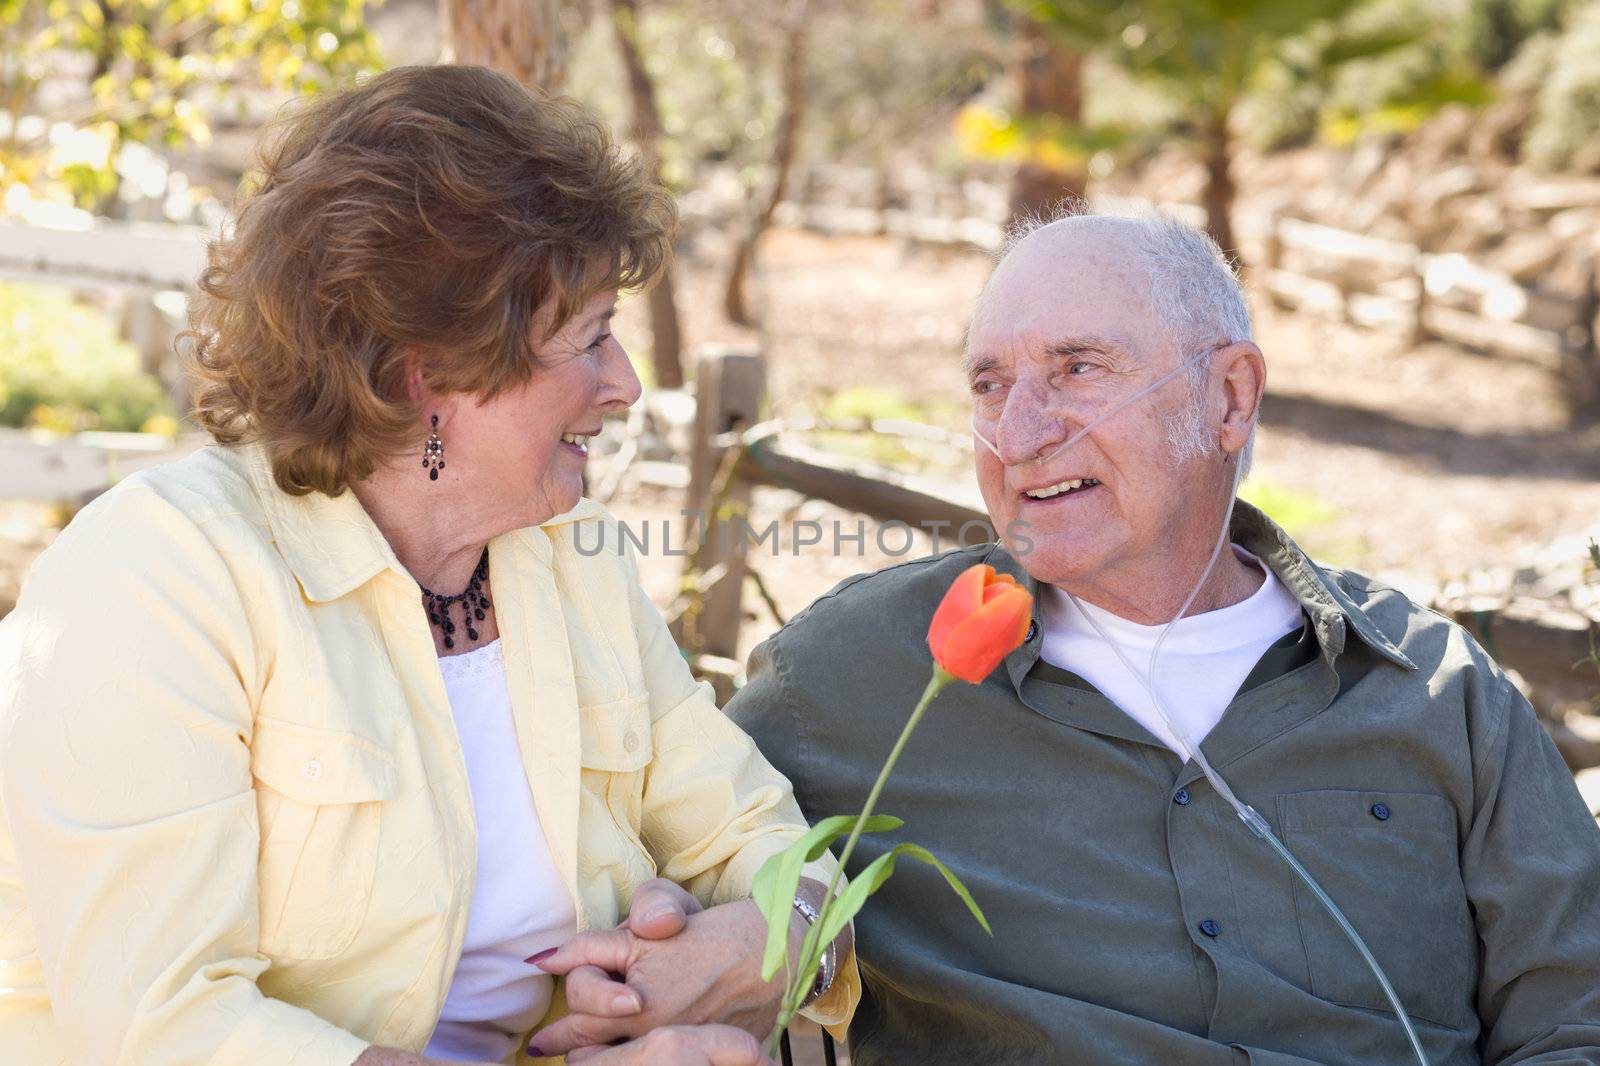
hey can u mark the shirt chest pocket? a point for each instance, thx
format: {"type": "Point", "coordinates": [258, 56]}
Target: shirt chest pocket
{"type": "Point", "coordinates": [319, 796]}
{"type": "Point", "coordinates": [615, 754]}
{"type": "Point", "coordinates": [1390, 861]}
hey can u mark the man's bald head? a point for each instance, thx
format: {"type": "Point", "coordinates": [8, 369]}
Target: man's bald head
{"type": "Point", "coordinates": [1184, 286]}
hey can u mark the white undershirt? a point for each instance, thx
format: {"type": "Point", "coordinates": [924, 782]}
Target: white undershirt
{"type": "Point", "coordinates": [1202, 663]}
{"type": "Point", "coordinates": [519, 905]}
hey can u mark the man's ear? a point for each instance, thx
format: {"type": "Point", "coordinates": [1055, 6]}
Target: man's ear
{"type": "Point", "coordinates": [1244, 379]}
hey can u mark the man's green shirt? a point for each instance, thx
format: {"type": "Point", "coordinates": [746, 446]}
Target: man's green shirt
{"type": "Point", "coordinates": [1136, 919]}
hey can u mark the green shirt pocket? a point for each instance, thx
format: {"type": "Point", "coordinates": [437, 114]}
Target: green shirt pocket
{"type": "Point", "coordinates": [1391, 862]}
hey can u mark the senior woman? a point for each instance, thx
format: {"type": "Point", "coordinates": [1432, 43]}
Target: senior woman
{"type": "Point", "coordinates": [313, 743]}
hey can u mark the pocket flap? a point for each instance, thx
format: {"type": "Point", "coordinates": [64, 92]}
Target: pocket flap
{"type": "Point", "coordinates": [321, 766]}
{"type": "Point", "coordinates": [615, 736]}
{"type": "Point", "coordinates": [1389, 811]}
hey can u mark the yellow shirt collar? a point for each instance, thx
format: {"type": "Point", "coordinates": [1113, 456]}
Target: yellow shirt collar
{"type": "Point", "coordinates": [330, 543]}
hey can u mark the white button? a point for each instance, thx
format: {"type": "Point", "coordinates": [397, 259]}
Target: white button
{"type": "Point", "coordinates": [630, 741]}
{"type": "Point", "coordinates": [311, 770]}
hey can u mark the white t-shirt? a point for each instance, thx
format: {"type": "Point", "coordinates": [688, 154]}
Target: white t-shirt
{"type": "Point", "coordinates": [519, 904]}
{"type": "Point", "coordinates": [1203, 662]}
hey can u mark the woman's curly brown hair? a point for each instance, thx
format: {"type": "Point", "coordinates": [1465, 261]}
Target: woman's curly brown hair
{"type": "Point", "coordinates": [432, 210]}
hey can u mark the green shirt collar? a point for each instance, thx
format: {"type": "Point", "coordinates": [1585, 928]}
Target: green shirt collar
{"type": "Point", "coordinates": [1331, 611]}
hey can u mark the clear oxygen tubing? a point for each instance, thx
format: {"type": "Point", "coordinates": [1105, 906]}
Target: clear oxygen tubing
{"type": "Point", "coordinates": [1247, 814]}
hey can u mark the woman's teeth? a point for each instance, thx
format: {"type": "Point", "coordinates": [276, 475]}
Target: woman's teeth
{"type": "Point", "coordinates": [577, 440]}
{"type": "Point", "coordinates": [1065, 486]}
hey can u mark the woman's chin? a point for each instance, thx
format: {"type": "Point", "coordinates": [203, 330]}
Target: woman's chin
{"type": "Point", "coordinates": [564, 495]}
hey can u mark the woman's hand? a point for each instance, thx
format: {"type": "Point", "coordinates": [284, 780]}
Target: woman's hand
{"type": "Point", "coordinates": [680, 1045]}
{"type": "Point", "coordinates": [707, 971]}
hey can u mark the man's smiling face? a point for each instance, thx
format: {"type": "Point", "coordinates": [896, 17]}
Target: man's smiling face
{"type": "Point", "coordinates": [1064, 332]}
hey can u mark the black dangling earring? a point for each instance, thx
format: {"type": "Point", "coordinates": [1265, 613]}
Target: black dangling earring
{"type": "Point", "coordinates": [433, 454]}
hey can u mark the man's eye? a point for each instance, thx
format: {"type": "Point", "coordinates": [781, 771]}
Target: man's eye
{"type": "Point", "coordinates": [1074, 368]}
{"type": "Point", "coordinates": [983, 388]}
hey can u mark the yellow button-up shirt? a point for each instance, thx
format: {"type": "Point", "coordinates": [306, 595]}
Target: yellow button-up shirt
{"type": "Point", "coordinates": [235, 826]}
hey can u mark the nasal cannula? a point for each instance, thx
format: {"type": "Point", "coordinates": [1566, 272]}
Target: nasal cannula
{"type": "Point", "coordinates": [1247, 814]}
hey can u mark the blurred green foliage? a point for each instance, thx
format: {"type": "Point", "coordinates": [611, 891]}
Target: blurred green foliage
{"type": "Point", "coordinates": [878, 78]}
{"type": "Point", "coordinates": [81, 78]}
{"type": "Point", "coordinates": [66, 369]}
{"type": "Point", "coordinates": [1562, 68]}
{"type": "Point", "coordinates": [715, 84]}
{"type": "Point", "coordinates": [1305, 516]}
{"type": "Point", "coordinates": [1286, 60]}
{"type": "Point", "coordinates": [1293, 509]}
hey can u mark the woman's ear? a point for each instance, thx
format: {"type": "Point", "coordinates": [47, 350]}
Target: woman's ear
{"type": "Point", "coordinates": [1244, 381]}
{"type": "Point", "coordinates": [417, 392]}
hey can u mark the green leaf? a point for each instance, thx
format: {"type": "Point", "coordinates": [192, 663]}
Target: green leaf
{"type": "Point", "coordinates": [1351, 45]}
{"type": "Point", "coordinates": [775, 883]}
{"type": "Point", "coordinates": [852, 899]}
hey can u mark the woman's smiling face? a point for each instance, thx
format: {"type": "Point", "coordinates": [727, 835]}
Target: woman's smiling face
{"type": "Point", "coordinates": [526, 446]}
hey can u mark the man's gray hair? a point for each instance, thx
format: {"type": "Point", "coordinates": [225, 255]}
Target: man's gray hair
{"type": "Point", "coordinates": [1193, 288]}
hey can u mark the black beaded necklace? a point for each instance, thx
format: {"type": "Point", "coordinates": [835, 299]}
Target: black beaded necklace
{"type": "Point", "coordinates": [473, 604]}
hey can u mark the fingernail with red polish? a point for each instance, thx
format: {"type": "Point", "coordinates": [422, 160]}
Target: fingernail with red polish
{"type": "Point", "coordinates": [535, 1052]}
{"type": "Point", "coordinates": [545, 954]}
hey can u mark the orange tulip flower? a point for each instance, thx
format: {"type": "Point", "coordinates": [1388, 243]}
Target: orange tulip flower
{"type": "Point", "coordinates": [983, 618]}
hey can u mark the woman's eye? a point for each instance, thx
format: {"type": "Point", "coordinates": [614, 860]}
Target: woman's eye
{"type": "Point", "coordinates": [595, 344]}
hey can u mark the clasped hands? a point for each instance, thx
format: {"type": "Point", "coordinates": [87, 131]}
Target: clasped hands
{"type": "Point", "coordinates": [671, 963]}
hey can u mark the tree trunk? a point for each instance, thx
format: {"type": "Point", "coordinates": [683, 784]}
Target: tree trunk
{"type": "Point", "coordinates": [734, 304]}
{"type": "Point", "coordinates": [1048, 75]}
{"type": "Point", "coordinates": [666, 344]}
{"type": "Point", "coordinates": [105, 52]}
{"type": "Point", "coordinates": [522, 38]}
{"type": "Point", "coordinates": [1219, 190]}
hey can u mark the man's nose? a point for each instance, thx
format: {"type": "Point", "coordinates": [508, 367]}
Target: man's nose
{"type": "Point", "coordinates": [1028, 428]}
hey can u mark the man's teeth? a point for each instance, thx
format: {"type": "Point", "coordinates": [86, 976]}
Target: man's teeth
{"type": "Point", "coordinates": [1065, 486]}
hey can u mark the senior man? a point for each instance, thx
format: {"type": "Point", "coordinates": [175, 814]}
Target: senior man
{"type": "Point", "coordinates": [1136, 919]}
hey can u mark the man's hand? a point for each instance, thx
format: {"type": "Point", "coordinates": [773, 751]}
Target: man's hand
{"type": "Point", "coordinates": [680, 1045]}
{"type": "Point", "coordinates": [708, 971]}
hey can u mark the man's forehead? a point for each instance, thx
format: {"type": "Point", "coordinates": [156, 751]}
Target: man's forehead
{"type": "Point", "coordinates": [1062, 290]}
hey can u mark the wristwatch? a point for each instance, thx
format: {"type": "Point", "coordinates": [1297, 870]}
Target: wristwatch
{"type": "Point", "coordinates": [830, 958]}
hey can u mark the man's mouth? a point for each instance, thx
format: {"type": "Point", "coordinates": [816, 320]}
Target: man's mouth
{"type": "Point", "coordinates": [1061, 488]}
{"type": "Point", "coordinates": [578, 442]}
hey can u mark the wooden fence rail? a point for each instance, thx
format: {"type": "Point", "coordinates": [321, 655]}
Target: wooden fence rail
{"type": "Point", "coordinates": [733, 453]}
{"type": "Point", "coordinates": [1377, 282]}
{"type": "Point", "coordinates": [132, 255]}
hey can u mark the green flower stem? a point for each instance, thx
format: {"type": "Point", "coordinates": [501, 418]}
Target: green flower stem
{"type": "Point", "coordinates": [805, 975]}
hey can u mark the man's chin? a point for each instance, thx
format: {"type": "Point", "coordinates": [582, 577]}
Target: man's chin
{"type": "Point", "coordinates": [1054, 563]}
